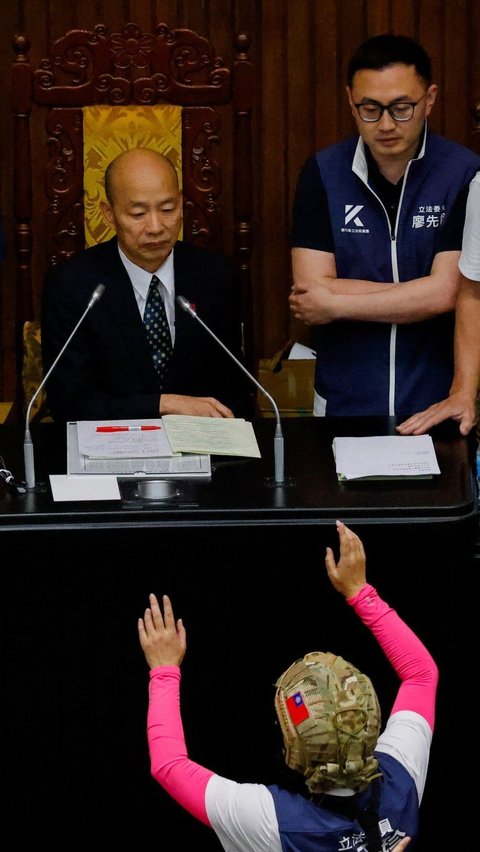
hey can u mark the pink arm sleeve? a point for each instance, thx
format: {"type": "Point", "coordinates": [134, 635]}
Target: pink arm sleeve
{"type": "Point", "coordinates": [183, 779]}
{"type": "Point", "coordinates": [407, 654]}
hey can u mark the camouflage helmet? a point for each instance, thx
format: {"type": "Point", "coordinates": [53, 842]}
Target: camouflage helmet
{"type": "Point", "coordinates": [330, 720]}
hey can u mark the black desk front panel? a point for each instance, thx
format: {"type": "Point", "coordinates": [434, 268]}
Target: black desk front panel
{"type": "Point", "coordinates": [244, 564]}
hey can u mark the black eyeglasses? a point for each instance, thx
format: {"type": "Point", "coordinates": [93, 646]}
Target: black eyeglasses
{"type": "Point", "coordinates": [399, 111]}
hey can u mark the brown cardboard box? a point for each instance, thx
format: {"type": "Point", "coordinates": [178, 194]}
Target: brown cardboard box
{"type": "Point", "coordinates": [289, 382]}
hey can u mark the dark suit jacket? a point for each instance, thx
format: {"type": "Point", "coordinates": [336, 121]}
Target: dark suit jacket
{"type": "Point", "coordinates": [107, 370]}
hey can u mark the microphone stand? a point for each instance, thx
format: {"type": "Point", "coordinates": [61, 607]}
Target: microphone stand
{"type": "Point", "coordinates": [27, 441]}
{"type": "Point", "coordinates": [278, 445]}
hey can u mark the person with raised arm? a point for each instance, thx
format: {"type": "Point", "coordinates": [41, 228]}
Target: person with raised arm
{"type": "Point", "coordinates": [362, 785]}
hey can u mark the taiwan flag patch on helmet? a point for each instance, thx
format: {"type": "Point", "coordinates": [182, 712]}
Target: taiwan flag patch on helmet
{"type": "Point", "coordinates": [297, 708]}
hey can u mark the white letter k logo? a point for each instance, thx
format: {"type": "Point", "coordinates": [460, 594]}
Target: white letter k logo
{"type": "Point", "coordinates": [351, 213]}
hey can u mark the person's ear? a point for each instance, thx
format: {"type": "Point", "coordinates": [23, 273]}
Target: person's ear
{"type": "Point", "coordinates": [430, 98]}
{"type": "Point", "coordinates": [107, 213]}
{"type": "Point", "coordinates": [350, 100]}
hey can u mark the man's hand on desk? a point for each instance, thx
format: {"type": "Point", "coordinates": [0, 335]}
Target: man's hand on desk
{"type": "Point", "coordinates": [458, 406]}
{"type": "Point", "coordinates": [198, 406]}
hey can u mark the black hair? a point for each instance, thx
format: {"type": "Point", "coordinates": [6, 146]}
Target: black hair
{"type": "Point", "coordinates": [379, 51]}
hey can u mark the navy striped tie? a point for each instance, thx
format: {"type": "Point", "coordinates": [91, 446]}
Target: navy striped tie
{"type": "Point", "coordinates": [158, 331]}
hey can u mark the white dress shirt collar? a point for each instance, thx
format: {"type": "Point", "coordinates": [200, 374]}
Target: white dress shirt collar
{"type": "Point", "coordinates": [141, 279]}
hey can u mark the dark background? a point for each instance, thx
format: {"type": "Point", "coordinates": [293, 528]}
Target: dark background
{"type": "Point", "coordinates": [75, 681]}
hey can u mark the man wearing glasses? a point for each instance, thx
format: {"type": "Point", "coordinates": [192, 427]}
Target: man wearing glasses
{"type": "Point", "coordinates": [376, 239]}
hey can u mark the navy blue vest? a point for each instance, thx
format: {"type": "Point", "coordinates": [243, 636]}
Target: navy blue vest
{"type": "Point", "coordinates": [307, 827]}
{"type": "Point", "coordinates": [362, 368]}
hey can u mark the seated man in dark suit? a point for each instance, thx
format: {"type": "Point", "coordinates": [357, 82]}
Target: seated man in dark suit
{"type": "Point", "coordinates": [108, 370]}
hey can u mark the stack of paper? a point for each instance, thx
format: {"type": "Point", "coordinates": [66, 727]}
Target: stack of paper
{"type": "Point", "coordinates": [222, 436]}
{"type": "Point", "coordinates": [176, 445]}
{"type": "Point", "coordinates": [129, 448]}
{"type": "Point", "coordinates": [114, 439]}
{"type": "Point", "coordinates": [385, 457]}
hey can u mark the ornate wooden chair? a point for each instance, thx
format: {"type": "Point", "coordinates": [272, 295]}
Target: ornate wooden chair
{"type": "Point", "coordinates": [88, 68]}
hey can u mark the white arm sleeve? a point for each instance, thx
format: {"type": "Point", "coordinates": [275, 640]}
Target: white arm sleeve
{"type": "Point", "coordinates": [242, 816]}
{"type": "Point", "coordinates": [407, 738]}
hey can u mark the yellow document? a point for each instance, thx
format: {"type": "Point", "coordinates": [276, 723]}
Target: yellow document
{"type": "Point", "coordinates": [222, 436]}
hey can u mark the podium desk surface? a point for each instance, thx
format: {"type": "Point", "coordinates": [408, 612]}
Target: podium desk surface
{"type": "Point", "coordinates": [242, 492]}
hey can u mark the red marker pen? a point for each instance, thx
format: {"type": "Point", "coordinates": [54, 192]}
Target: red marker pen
{"type": "Point", "coordinates": [127, 428]}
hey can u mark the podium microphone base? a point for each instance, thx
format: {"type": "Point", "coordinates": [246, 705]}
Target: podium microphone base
{"type": "Point", "coordinates": [157, 489]}
{"type": "Point", "coordinates": [38, 488]}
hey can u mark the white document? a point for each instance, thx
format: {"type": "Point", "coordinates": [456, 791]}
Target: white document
{"type": "Point", "coordinates": [300, 352]}
{"type": "Point", "coordinates": [66, 488]}
{"type": "Point", "coordinates": [385, 456]}
{"type": "Point", "coordinates": [127, 439]}
{"type": "Point", "coordinates": [216, 435]}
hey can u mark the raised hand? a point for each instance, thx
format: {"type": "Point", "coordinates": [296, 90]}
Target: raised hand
{"type": "Point", "coordinates": [163, 640]}
{"type": "Point", "coordinates": [348, 575]}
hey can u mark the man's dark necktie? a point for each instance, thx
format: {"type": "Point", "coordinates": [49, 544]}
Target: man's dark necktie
{"type": "Point", "coordinates": [157, 328]}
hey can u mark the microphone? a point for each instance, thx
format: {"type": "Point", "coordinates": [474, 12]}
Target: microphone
{"type": "Point", "coordinates": [278, 440]}
{"type": "Point", "coordinates": [27, 442]}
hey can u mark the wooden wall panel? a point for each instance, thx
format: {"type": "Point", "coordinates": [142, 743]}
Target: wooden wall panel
{"type": "Point", "coordinates": [351, 30]}
{"type": "Point", "coordinates": [299, 53]}
{"type": "Point", "coordinates": [300, 78]}
{"type": "Point", "coordinates": [379, 17]}
{"type": "Point", "coordinates": [271, 309]}
{"type": "Point", "coordinates": [326, 78]}
{"type": "Point", "coordinates": [430, 32]}
{"type": "Point", "coordinates": [473, 77]}
{"type": "Point", "coordinates": [301, 123]}
{"type": "Point", "coordinates": [402, 17]}
{"type": "Point", "coordinates": [455, 74]}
